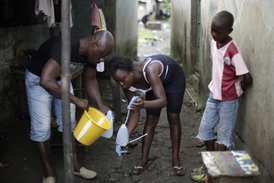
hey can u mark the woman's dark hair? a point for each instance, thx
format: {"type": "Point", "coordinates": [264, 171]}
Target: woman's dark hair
{"type": "Point", "coordinates": [120, 63]}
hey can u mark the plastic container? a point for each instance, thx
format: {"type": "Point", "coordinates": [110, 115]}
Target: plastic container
{"type": "Point", "coordinates": [132, 101]}
{"type": "Point", "coordinates": [91, 126]}
{"type": "Point", "coordinates": [122, 137]}
{"type": "Point", "coordinates": [108, 133]}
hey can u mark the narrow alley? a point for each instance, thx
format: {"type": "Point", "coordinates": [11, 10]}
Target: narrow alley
{"type": "Point", "coordinates": [25, 166]}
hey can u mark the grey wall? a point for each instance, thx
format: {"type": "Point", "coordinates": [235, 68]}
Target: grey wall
{"type": "Point", "coordinates": [33, 36]}
{"type": "Point", "coordinates": [180, 32]}
{"type": "Point", "coordinates": [126, 27]}
{"type": "Point", "coordinates": [253, 32]}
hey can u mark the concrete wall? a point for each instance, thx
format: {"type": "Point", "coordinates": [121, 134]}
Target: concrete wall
{"type": "Point", "coordinates": [253, 31]}
{"type": "Point", "coordinates": [142, 10]}
{"type": "Point", "coordinates": [33, 36]}
{"type": "Point", "coordinates": [180, 32]}
{"type": "Point", "coordinates": [126, 30]}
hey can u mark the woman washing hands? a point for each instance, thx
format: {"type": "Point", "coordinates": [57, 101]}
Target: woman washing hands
{"type": "Point", "coordinates": [163, 81]}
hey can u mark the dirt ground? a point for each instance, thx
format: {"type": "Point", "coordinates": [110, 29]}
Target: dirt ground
{"type": "Point", "coordinates": [17, 149]}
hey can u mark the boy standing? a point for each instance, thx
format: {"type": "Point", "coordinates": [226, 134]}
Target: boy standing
{"type": "Point", "coordinates": [230, 77]}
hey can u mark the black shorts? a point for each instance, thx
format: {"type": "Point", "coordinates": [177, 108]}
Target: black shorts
{"type": "Point", "coordinates": [174, 103]}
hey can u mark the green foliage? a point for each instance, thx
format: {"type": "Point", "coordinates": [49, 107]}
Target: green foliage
{"type": "Point", "coordinates": [167, 6]}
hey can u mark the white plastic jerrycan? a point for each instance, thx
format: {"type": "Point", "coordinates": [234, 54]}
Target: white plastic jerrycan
{"type": "Point", "coordinates": [109, 133]}
{"type": "Point", "coordinates": [122, 136]}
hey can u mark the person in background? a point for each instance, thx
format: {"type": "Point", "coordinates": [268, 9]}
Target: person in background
{"type": "Point", "coordinates": [146, 18]}
{"type": "Point", "coordinates": [162, 80]}
{"type": "Point", "coordinates": [230, 77]}
{"type": "Point", "coordinates": [162, 14]}
{"type": "Point", "coordinates": [43, 86]}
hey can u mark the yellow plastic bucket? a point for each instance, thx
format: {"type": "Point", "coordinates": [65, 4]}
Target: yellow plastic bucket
{"type": "Point", "coordinates": [91, 126]}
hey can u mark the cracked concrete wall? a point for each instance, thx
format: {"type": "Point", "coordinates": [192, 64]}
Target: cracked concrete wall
{"type": "Point", "coordinates": [253, 32]}
{"type": "Point", "coordinates": [33, 36]}
{"type": "Point", "coordinates": [126, 30]}
{"type": "Point", "coordinates": [180, 31]}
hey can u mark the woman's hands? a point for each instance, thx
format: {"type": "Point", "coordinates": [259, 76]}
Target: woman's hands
{"type": "Point", "coordinates": [138, 104]}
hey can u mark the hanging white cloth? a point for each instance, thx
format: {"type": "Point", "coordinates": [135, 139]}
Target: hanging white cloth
{"type": "Point", "coordinates": [51, 18]}
{"type": "Point", "coordinates": [47, 8]}
{"type": "Point", "coordinates": [42, 6]}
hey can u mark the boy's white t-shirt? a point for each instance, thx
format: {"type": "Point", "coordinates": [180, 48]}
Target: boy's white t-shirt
{"type": "Point", "coordinates": [227, 67]}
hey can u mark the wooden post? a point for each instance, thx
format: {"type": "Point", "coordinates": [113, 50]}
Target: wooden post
{"type": "Point", "coordinates": [65, 86]}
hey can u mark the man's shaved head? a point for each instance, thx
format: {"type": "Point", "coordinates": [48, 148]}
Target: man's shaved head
{"type": "Point", "coordinates": [100, 45]}
{"type": "Point", "coordinates": [104, 39]}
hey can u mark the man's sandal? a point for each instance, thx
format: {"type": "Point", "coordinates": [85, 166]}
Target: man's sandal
{"type": "Point", "coordinates": [85, 173]}
{"type": "Point", "coordinates": [180, 171]}
{"type": "Point", "coordinates": [49, 179]}
{"type": "Point", "coordinates": [4, 165]}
